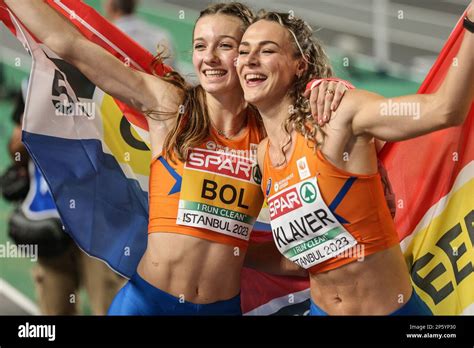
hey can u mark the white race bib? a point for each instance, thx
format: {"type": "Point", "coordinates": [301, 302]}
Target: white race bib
{"type": "Point", "coordinates": [304, 228]}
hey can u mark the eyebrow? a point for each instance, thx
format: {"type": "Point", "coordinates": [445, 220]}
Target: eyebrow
{"type": "Point", "coordinates": [261, 43]}
{"type": "Point", "coordinates": [220, 37]}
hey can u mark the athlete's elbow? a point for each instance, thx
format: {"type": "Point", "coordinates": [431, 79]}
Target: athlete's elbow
{"type": "Point", "coordinates": [450, 114]}
{"type": "Point", "coordinates": [59, 45]}
{"type": "Point", "coordinates": [454, 116]}
{"type": "Point", "coordinates": [459, 120]}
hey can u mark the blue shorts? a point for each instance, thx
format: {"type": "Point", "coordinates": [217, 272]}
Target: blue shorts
{"type": "Point", "coordinates": [138, 297]}
{"type": "Point", "coordinates": [415, 306]}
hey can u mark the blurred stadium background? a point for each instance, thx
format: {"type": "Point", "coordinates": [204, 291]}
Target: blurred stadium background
{"type": "Point", "coordinates": [386, 46]}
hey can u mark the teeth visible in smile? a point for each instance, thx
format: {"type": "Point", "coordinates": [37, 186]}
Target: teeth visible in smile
{"type": "Point", "coordinates": [214, 72]}
{"type": "Point", "coordinates": [253, 77]}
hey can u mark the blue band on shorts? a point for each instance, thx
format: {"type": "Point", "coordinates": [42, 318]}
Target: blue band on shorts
{"type": "Point", "coordinates": [415, 306]}
{"type": "Point", "coordinates": [138, 297]}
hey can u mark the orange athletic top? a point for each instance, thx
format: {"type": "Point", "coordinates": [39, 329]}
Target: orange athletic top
{"type": "Point", "coordinates": [351, 217]}
{"type": "Point", "coordinates": [215, 195]}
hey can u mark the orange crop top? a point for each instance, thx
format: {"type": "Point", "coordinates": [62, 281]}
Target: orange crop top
{"type": "Point", "coordinates": [214, 195]}
{"type": "Point", "coordinates": [323, 217]}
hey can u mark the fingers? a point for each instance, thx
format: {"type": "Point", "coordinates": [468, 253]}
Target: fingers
{"type": "Point", "coordinates": [320, 101]}
{"type": "Point", "coordinates": [313, 102]}
{"type": "Point", "coordinates": [328, 99]}
{"type": "Point", "coordinates": [306, 93]}
{"type": "Point", "coordinates": [325, 99]}
{"type": "Point", "coordinates": [339, 93]}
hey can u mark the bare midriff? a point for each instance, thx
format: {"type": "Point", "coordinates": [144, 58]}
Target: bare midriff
{"type": "Point", "coordinates": [378, 284]}
{"type": "Point", "coordinates": [192, 269]}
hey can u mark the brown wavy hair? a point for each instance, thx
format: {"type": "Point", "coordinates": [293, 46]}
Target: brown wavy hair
{"type": "Point", "coordinates": [318, 66]}
{"type": "Point", "coordinates": [193, 122]}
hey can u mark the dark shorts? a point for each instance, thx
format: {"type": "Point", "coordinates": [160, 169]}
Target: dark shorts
{"type": "Point", "coordinates": [138, 297]}
{"type": "Point", "coordinates": [415, 306]}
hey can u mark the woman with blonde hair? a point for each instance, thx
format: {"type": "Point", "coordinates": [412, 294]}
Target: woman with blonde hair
{"type": "Point", "coordinates": [323, 190]}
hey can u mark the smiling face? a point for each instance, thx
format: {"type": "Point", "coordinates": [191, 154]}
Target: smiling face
{"type": "Point", "coordinates": [215, 50]}
{"type": "Point", "coordinates": [267, 64]}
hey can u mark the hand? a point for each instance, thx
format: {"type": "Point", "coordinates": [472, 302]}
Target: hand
{"type": "Point", "coordinates": [470, 12]}
{"type": "Point", "coordinates": [324, 99]}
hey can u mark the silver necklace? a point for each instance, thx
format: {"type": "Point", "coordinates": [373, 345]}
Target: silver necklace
{"type": "Point", "coordinates": [223, 133]}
